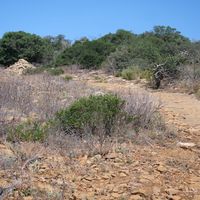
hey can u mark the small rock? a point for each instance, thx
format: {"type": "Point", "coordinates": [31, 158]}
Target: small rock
{"type": "Point", "coordinates": [99, 93]}
{"type": "Point", "coordinates": [106, 177]}
{"type": "Point", "coordinates": [140, 191]}
{"type": "Point", "coordinates": [161, 169]}
{"type": "Point", "coordinates": [96, 158]}
{"type": "Point", "coordinates": [115, 190]}
{"type": "Point", "coordinates": [176, 198]}
{"type": "Point", "coordinates": [172, 191]}
{"type": "Point", "coordinates": [87, 178]}
{"type": "Point", "coordinates": [186, 145]}
{"type": "Point", "coordinates": [28, 198]}
{"type": "Point", "coordinates": [111, 156]}
{"type": "Point", "coordinates": [122, 174]}
{"type": "Point", "coordinates": [116, 195]}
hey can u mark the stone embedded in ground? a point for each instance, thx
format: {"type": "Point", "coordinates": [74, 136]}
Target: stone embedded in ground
{"type": "Point", "coordinates": [161, 169]}
{"type": "Point", "coordinates": [186, 145]}
{"type": "Point", "coordinates": [111, 156]}
{"type": "Point", "coordinates": [140, 191]}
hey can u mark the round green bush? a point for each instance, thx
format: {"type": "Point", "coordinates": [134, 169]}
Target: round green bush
{"type": "Point", "coordinates": [92, 114]}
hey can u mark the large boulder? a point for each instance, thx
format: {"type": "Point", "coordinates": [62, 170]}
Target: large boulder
{"type": "Point", "coordinates": [20, 67]}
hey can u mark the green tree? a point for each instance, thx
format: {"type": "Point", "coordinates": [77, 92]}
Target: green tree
{"type": "Point", "coordinates": [88, 54]}
{"type": "Point", "coordinates": [16, 45]}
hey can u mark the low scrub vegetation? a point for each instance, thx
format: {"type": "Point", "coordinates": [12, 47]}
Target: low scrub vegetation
{"type": "Point", "coordinates": [134, 73]}
{"type": "Point", "coordinates": [30, 131]}
{"type": "Point", "coordinates": [163, 50]}
{"type": "Point", "coordinates": [36, 96]}
{"type": "Point", "coordinates": [54, 71]}
{"type": "Point", "coordinates": [67, 77]}
{"type": "Point", "coordinates": [189, 79]}
{"type": "Point", "coordinates": [92, 114]}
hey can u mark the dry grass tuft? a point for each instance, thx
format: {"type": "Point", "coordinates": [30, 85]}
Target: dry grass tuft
{"type": "Point", "coordinates": [36, 96]}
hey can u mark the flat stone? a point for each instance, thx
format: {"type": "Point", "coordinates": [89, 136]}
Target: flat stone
{"type": "Point", "coordinates": [161, 169]}
{"type": "Point", "coordinates": [140, 191]}
{"type": "Point", "coordinates": [122, 174]}
{"type": "Point", "coordinates": [105, 177]}
{"type": "Point", "coordinates": [186, 145]}
{"type": "Point", "coordinates": [87, 178]}
{"type": "Point", "coordinates": [111, 156]}
{"type": "Point", "coordinates": [116, 195]}
{"type": "Point", "coordinates": [172, 191]}
{"type": "Point", "coordinates": [136, 197]}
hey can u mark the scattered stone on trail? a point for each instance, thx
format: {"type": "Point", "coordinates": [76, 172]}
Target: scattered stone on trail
{"type": "Point", "coordinates": [161, 169]}
{"type": "Point", "coordinates": [140, 191]}
{"type": "Point", "coordinates": [20, 67]}
{"type": "Point", "coordinates": [186, 145]}
{"type": "Point", "coordinates": [99, 93]}
{"type": "Point", "coordinates": [111, 156]}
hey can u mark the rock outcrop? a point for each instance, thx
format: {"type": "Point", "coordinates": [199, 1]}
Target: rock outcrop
{"type": "Point", "coordinates": [20, 67]}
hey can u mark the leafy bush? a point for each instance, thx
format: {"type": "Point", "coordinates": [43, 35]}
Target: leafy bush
{"type": "Point", "coordinates": [91, 113]}
{"type": "Point", "coordinates": [118, 60]}
{"type": "Point", "coordinates": [88, 54]}
{"type": "Point", "coordinates": [28, 131]}
{"type": "Point", "coordinates": [135, 72]}
{"type": "Point", "coordinates": [67, 77]}
{"type": "Point", "coordinates": [129, 74]}
{"type": "Point", "coordinates": [36, 70]}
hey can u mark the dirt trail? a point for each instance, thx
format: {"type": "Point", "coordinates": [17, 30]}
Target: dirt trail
{"type": "Point", "coordinates": [182, 110]}
{"type": "Point", "coordinates": [186, 107]}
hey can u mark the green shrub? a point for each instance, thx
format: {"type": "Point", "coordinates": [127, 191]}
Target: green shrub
{"type": "Point", "coordinates": [133, 73]}
{"type": "Point", "coordinates": [36, 70]}
{"type": "Point", "coordinates": [52, 71]}
{"type": "Point", "coordinates": [67, 77]}
{"type": "Point", "coordinates": [28, 131]}
{"type": "Point", "coordinates": [88, 54]}
{"type": "Point", "coordinates": [91, 113]}
{"type": "Point", "coordinates": [129, 74]}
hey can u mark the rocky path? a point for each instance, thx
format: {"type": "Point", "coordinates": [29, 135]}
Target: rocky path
{"type": "Point", "coordinates": [185, 106]}
{"type": "Point", "coordinates": [181, 110]}
{"type": "Point", "coordinates": [179, 167]}
{"type": "Point", "coordinates": [131, 172]}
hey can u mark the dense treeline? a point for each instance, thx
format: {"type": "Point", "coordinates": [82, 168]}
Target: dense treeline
{"type": "Point", "coordinates": [33, 48]}
{"type": "Point", "coordinates": [162, 47]}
